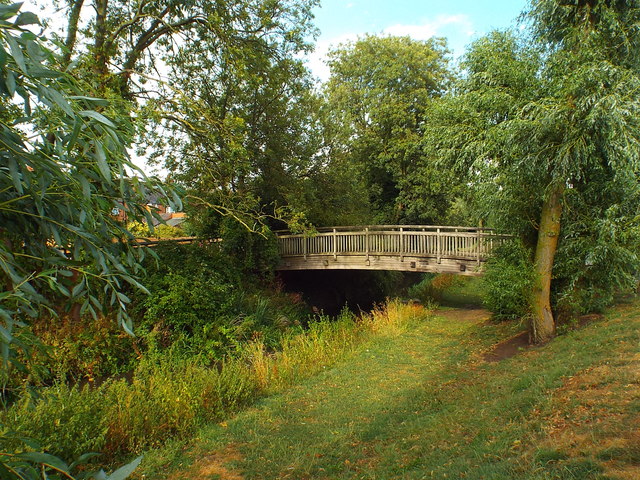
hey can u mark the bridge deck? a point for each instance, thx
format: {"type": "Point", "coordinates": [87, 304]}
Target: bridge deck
{"type": "Point", "coordinates": [459, 250]}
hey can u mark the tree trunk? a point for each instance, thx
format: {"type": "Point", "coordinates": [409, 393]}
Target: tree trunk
{"type": "Point", "coordinates": [100, 39]}
{"type": "Point", "coordinates": [542, 326]}
{"type": "Point", "coordinates": [72, 31]}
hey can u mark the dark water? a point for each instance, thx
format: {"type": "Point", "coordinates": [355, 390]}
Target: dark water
{"type": "Point", "coordinates": [330, 291]}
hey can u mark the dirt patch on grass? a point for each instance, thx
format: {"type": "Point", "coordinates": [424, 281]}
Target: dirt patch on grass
{"type": "Point", "coordinates": [596, 418]}
{"type": "Point", "coordinates": [508, 348]}
{"type": "Point", "coordinates": [213, 467]}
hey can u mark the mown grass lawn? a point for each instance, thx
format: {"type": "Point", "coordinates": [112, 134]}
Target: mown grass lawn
{"type": "Point", "coordinates": [423, 403]}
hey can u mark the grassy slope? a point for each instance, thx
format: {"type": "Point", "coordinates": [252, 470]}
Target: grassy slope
{"type": "Point", "coordinates": [423, 404]}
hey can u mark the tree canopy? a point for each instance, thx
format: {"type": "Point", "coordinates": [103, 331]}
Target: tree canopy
{"type": "Point", "coordinates": [544, 123]}
{"type": "Point", "coordinates": [379, 95]}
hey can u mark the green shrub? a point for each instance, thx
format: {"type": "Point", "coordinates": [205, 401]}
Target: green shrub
{"type": "Point", "coordinates": [200, 304]}
{"type": "Point", "coordinates": [65, 421]}
{"type": "Point", "coordinates": [84, 350]}
{"type": "Point", "coordinates": [67, 350]}
{"type": "Point", "coordinates": [140, 229]}
{"type": "Point", "coordinates": [255, 252]}
{"type": "Point", "coordinates": [193, 307]}
{"type": "Point", "coordinates": [193, 292]}
{"type": "Point", "coordinates": [509, 278]}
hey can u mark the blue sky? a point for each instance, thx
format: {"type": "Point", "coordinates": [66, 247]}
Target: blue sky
{"type": "Point", "coordinates": [460, 21]}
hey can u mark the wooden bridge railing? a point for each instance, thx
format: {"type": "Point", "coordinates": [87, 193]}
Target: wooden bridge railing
{"type": "Point", "coordinates": [424, 248]}
{"type": "Point", "coordinates": [463, 244]}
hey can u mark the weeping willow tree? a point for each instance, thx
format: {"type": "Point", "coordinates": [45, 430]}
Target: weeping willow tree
{"type": "Point", "coordinates": [63, 169]}
{"type": "Point", "coordinates": [543, 118]}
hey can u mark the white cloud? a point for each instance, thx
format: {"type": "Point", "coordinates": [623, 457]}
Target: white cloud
{"type": "Point", "coordinates": [316, 61]}
{"type": "Point", "coordinates": [428, 29]}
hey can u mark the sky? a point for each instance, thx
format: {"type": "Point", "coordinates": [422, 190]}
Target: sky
{"type": "Point", "coordinates": [460, 21]}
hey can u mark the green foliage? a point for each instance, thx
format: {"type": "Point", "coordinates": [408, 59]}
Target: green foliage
{"type": "Point", "coordinates": [508, 281]}
{"type": "Point", "coordinates": [58, 185]}
{"type": "Point", "coordinates": [555, 114]}
{"type": "Point", "coordinates": [169, 398]}
{"type": "Point", "coordinates": [598, 256]}
{"type": "Point", "coordinates": [243, 126]}
{"type": "Point", "coordinates": [193, 290]}
{"type": "Point", "coordinates": [140, 229]}
{"type": "Point", "coordinates": [606, 26]}
{"type": "Point", "coordinates": [23, 463]}
{"type": "Point", "coordinates": [65, 421]}
{"type": "Point", "coordinates": [195, 311]}
{"type": "Point", "coordinates": [202, 304]}
{"type": "Point", "coordinates": [67, 350]}
{"type": "Point", "coordinates": [469, 130]}
{"type": "Point", "coordinates": [83, 350]}
{"type": "Point", "coordinates": [379, 94]}
{"type": "Point", "coordinates": [255, 252]}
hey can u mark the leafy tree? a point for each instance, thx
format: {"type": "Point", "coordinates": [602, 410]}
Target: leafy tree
{"type": "Point", "coordinates": [545, 120]}
{"type": "Point", "coordinates": [597, 254]}
{"type": "Point", "coordinates": [379, 95]}
{"type": "Point", "coordinates": [63, 169]}
{"type": "Point", "coordinates": [241, 132]}
{"type": "Point", "coordinates": [217, 81]}
{"type": "Point", "coordinates": [125, 39]}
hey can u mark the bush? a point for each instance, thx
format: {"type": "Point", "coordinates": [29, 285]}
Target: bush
{"type": "Point", "coordinates": [87, 349]}
{"type": "Point", "coordinates": [65, 421]}
{"type": "Point", "coordinates": [194, 309]}
{"type": "Point", "coordinates": [200, 304]}
{"type": "Point", "coordinates": [193, 292]}
{"type": "Point", "coordinates": [509, 278]}
{"type": "Point", "coordinates": [140, 229]}
{"type": "Point", "coordinates": [255, 252]}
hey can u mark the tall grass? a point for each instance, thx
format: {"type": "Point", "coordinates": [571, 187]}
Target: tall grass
{"type": "Point", "coordinates": [325, 342]}
{"type": "Point", "coordinates": [169, 398]}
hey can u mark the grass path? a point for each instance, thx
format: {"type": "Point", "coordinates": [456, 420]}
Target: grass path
{"type": "Point", "coordinates": [422, 403]}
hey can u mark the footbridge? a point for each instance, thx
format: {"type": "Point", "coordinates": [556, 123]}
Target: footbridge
{"type": "Point", "coordinates": [408, 248]}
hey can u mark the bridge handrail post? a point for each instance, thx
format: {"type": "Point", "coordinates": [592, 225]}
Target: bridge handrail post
{"type": "Point", "coordinates": [401, 244]}
{"type": "Point", "coordinates": [478, 235]}
{"type": "Point", "coordinates": [335, 244]}
{"type": "Point", "coordinates": [366, 241]}
{"type": "Point", "coordinates": [304, 246]}
{"type": "Point", "coordinates": [438, 246]}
